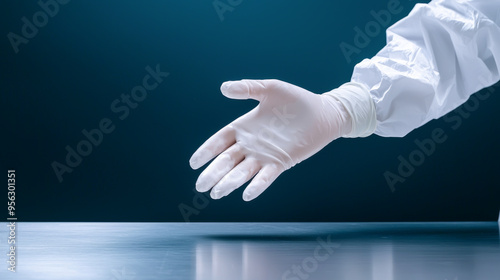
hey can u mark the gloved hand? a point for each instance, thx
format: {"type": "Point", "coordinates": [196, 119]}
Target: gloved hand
{"type": "Point", "coordinates": [289, 125]}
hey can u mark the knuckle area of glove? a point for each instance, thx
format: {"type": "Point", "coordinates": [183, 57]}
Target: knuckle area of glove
{"type": "Point", "coordinates": [265, 153]}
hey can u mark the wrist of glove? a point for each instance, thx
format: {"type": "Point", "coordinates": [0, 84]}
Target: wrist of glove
{"type": "Point", "coordinates": [289, 125]}
{"type": "Point", "coordinates": [359, 105]}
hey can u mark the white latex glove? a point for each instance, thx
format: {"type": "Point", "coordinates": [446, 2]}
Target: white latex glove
{"type": "Point", "coordinates": [289, 125]}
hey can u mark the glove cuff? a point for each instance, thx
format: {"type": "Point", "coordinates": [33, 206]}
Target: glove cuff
{"type": "Point", "coordinates": [359, 104]}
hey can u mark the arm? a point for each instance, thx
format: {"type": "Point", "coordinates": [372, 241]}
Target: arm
{"type": "Point", "coordinates": [435, 58]}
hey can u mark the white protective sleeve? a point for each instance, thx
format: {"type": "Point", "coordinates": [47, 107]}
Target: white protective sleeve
{"type": "Point", "coordinates": [435, 58]}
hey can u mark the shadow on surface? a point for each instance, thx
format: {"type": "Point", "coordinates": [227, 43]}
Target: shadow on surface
{"type": "Point", "coordinates": [448, 231]}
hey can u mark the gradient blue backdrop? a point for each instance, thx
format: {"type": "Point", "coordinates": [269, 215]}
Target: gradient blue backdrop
{"type": "Point", "coordinates": [65, 78]}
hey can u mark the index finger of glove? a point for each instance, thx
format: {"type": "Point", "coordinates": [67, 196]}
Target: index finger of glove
{"type": "Point", "coordinates": [215, 145]}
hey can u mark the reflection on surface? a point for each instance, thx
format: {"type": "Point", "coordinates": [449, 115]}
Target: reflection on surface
{"type": "Point", "coordinates": [253, 260]}
{"type": "Point", "coordinates": [256, 251]}
{"type": "Point", "coordinates": [370, 251]}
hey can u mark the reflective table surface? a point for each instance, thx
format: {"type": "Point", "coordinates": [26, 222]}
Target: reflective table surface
{"type": "Point", "coordinates": [295, 251]}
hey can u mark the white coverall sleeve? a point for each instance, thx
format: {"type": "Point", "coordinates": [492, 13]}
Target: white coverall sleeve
{"type": "Point", "coordinates": [435, 58]}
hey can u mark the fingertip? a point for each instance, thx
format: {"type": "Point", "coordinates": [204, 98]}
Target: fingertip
{"type": "Point", "coordinates": [200, 157]}
{"type": "Point", "coordinates": [215, 194]}
{"type": "Point", "coordinates": [225, 86]}
{"type": "Point", "coordinates": [194, 162]}
{"type": "Point", "coordinates": [251, 192]}
{"type": "Point", "coordinates": [247, 197]}
{"type": "Point", "coordinates": [261, 182]}
{"type": "Point", "coordinates": [235, 89]}
{"type": "Point", "coordinates": [200, 185]}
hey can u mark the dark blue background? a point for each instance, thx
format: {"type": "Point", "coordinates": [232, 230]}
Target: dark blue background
{"type": "Point", "coordinates": [91, 52]}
